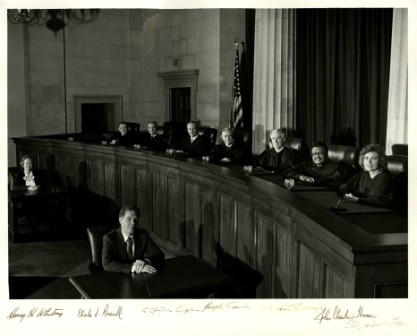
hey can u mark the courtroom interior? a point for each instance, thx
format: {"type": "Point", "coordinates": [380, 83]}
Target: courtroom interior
{"type": "Point", "coordinates": [249, 153]}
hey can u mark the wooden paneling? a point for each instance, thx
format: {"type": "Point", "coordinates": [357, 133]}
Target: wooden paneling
{"type": "Point", "coordinates": [308, 272]}
{"type": "Point", "coordinates": [284, 263]}
{"type": "Point", "coordinates": [175, 210]}
{"type": "Point", "coordinates": [42, 160]}
{"type": "Point", "coordinates": [63, 168]}
{"type": "Point", "coordinates": [228, 225]}
{"type": "Point", "coordinates": [383, 280]}
{"type": "Point", "coordinates": [207, 219]}
{"type": "Point", "coordinates": [109, 169]}
{"type": "Point", "coordinates": [95, 176]}
{"type": "Point", "coordinates": [159, 204]}
{"type": "Point", "coordinates": [127, 184]}
{"type": "Point", "coordinates": [261, 234]}
{"type": "Point", "coordinates": [245, 234]}
{"type": "Point", "coordinates": [79, 172]}
{"type": "Point", "coordinates": [192, 225]}
{"type": "Point", "coordinates": [143, 198]}
{"type": "Point", "coordinates": [333, 283]}
{"type": "Point", "coordinates": [265, 255]}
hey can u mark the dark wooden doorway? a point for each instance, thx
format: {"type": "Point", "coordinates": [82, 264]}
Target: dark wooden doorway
{"type": "Point", "coordinates": [180, 104]}
{"type": "Point", "coordinates": [94, 118]}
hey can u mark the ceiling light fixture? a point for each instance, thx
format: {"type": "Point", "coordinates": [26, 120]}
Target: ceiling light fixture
{"type": "Point", "coordinates": [54, 19]}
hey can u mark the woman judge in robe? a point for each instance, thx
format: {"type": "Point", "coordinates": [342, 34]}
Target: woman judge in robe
{"type": "Point", "coordinates": [374, 185]}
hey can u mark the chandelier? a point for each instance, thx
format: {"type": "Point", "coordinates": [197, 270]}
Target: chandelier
{"type": "Point", "coordinates": [54, 19]}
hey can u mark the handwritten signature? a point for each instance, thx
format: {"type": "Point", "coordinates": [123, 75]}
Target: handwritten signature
{"type": "Point", "coordinates": [357, 319]}
{"type": "Point", "coordinates": [35, 312]}
{"type": "Point", "coordinates": [393, 322]}
{"type": "Point", "coordinates": [287, 307]}
{"type": "Point", "coordinates": [337, 313]}
{"type": "Point", "coordinates": [208, 307]}
{"type": "Point", "coordinates": [105, 312]}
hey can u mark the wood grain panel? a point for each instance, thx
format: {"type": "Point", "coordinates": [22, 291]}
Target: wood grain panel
{"type": "Point", "coordinates": [334, 283]}
{"type": "Point", "coordinates": [382, 281]}
{"type": "Point", "coordinates": [63, 168]}
{"type": "Point", "coordinates": [228, 229]}
{"type": "Point", "coordinates": [245, 234]}
{"type": "Point", "coordinates": [175, 210]}
{"type": "Point", "coordinates": [328, 255]}
{"type": "Point", "coordinates": [265, 256]}
{"type": "Point", "coordinates": [109, 169]}
{"type": "Point", "coordinates": [95, 176]}
{"type": "Point", "coordinates": [143, 198]}
{"type": "Point", "coordinates": [159, 204]}
{"type": "Point", "coordinates": [227, 247]}
{"type": "Point", "coordinates": [208, 234]}
{"type": "Point", "coordinates": [127, 184]}
{"type": "Point", "coordinates": [192, 229]}
{"type": "Point", "coordinates": [308, 272]}
{"type": "Point", "coordinates": [79, 173]}
{"type": "Point", "coordinates": [283, 264]}
{"type": "Point", "coordinates": [42, 160]}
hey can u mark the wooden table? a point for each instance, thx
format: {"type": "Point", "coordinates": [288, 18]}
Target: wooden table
{"type": "Point", "coordinates": [38, 198]}
{"type": "Point", "coordinates": [180, 277]}
{"type": "Point", "coordinates": [372, 219]}
{"type": "Point", "coordinates": [298, 186]}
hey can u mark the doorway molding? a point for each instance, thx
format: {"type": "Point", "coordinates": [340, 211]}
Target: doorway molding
{"type": "Point", "coordinates": [178, 79]}
{"type": "Point", "coordinates": [115, 108]}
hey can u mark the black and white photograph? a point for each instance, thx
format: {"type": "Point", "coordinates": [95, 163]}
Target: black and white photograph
{"type": "Point", "coordinates": [208, 168]}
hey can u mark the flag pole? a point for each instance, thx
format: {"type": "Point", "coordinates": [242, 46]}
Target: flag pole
{"type": "Point", "coordinates": [236, 115]}
{"type": "Point", "coordinates": [231, 117]}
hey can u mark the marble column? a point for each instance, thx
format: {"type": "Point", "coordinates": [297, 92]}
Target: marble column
{"type": "Point", "coordinates": [397, 120]}
{"type": "Point", "coordinates": [274, 74]}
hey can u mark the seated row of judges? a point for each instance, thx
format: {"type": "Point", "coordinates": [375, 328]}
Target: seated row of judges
{"type": "Point", "coordinates": [372, 186]}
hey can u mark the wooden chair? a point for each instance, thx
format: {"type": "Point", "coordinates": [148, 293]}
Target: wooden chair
{"type": "Point", "coordinates": [95, 236]}
{"type": "Point", "coordinates": [397, 164]}
{"type": "Point", "coordinates": [174, 131]}
{"type": "Point", "coordinates": [133, 127]}
{"type": "Point", "coordinates": [400, 149]}
{"type": "Point", "coordinates": [210, 133]}
{"type": "Point", "coordinates": [301, 148]}
{"type": "Point", "coordinates": [293, 143]}
{"type": "Point", "coordinates": [346, 154]}
{"type": "Point", "coordinates": [160, 130]}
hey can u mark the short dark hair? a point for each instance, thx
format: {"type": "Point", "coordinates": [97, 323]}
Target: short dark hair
{"type": "Point", "coordinates": [121, 123]}
{"type": "Point", "coordinates": [24, 157]}
{"type": "Point", "coordinates": [373, 148]}
{"type": "Point", "coordinates": [320, 144]}
{"type": "Point", "coordinates": [129, 207]}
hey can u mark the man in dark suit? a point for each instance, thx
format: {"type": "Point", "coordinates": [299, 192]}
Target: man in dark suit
{"type": "Point", "coordinates": [122, 137]}
{"type": "Point", "coordinates": [152, 140]}
{"type": "Point", "coordinates": [130, 249]}
{"type": "Point", "coordinates": [193, 145]}
{"type": "Point", "coordinates": [229, 151]}
{"type": "Point", "coordinates": [320, 170]}
{"type": "Point", "coordinates": [277, 158]}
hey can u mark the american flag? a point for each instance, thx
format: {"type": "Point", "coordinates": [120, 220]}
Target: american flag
{"type": "Point", "coordinates": [236, 117]}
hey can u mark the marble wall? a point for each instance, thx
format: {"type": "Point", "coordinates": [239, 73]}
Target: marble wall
{"type": "Point", "coordinates": [120, 54]}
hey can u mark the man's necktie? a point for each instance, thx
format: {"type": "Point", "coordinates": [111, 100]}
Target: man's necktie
{"type": "Point", "coordinates": [129, 247]}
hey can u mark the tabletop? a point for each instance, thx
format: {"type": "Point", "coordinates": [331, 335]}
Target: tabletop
{"type": "Point", "coordinates": [180, 277]}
